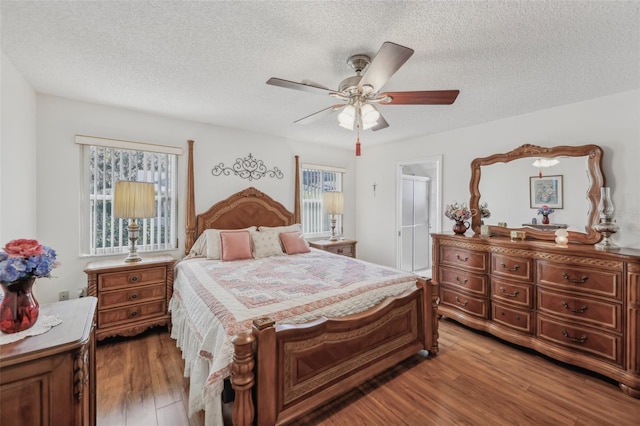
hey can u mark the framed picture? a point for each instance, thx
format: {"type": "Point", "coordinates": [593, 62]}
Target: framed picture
{"type": "Point", "coordinates": [546, 191]}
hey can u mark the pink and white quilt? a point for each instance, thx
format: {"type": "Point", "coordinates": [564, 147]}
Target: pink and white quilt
{"type": "Point", "coordinates": [213, 300]}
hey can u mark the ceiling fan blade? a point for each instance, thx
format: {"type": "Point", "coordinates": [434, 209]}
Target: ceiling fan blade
{"type": "Point", "coordinates": [387, 61]}
{"type": "Point", "coordinates": [427, 97]}
{"type": "Point", "coordinates": [316, 115]}
{"type": "Point", "coordinates": [382, 124]}
{"type": "Point", "coordinates": [305, 87]}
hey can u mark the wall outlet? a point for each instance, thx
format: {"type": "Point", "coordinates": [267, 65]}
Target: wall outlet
{"type": "Point", "coordinates": [82, 292]}
{"type": "Point", "coordinates": [63, 295]}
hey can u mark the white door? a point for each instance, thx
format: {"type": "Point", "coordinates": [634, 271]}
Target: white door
{"type": "Point", "coordinates": [414, 233]}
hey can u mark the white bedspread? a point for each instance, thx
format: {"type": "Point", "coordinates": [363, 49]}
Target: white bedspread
{"type": "Point", "coordinates": [214, 300]}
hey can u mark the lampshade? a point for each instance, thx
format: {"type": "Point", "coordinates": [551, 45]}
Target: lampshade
{"type": "Point", "coordinates": [333, 202]}
{"type": "Point", "coordinates": [369, 116]}
{"type": "Point", "coordinates": [133, 200]}
{"type": "Point", "coordinates": [347, 116]}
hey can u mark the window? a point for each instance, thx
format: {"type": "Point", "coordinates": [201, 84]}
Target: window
{"type": "Point", "coordinates": [107, 161]}
{"type": "Point", "coordinates": [317, 180]}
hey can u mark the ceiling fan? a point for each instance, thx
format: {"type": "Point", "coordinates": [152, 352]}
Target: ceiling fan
{"type": "Point", "coordinates": [361, 92]}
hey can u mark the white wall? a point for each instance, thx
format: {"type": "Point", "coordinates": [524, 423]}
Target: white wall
{"type": "Point", "coordinates": [59, 176]}
{"type": "Point", "coordinates": [611, 122]}
{"type": "Point", "coordinates": [18, 166]}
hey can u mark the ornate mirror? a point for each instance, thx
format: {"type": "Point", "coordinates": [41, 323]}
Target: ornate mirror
{"type": "Point", "coordinates": [511, 186]}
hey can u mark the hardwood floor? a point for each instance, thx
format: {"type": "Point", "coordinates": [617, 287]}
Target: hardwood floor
{"type": "Point", "coordinates": [474, 380]}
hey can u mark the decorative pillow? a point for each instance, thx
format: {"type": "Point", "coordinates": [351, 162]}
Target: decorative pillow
{"type": "Point", "coordinates": [235, 245]}
{"type": "Point", "coordinates": [294, 243]}
{"type": "Point", "coordinates": [199, 248]}
{"type": "Point", "coordinates": [213, 240]}
{"type": "Point", "coordinates": [266, 244]}
{"type": "Point", "coordinates": [288, 228]}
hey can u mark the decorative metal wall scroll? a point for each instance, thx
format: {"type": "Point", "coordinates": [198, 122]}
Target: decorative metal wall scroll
{"type": "Point", "coordinates": [247, 168]}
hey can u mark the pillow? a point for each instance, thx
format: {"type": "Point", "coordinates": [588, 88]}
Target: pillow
{"type": "Point", "coordinates": [199, 248]}
{"type": "Point", "coordinates": [213, 240]}
{"type": "Point", "coordinates": [294, 243]}
{"type": "Point", "coordinates": [235, 245]}
{"type": "Point", "coordinates": [266, 244]}
{"type": "Point", "coordinates": [288, 228]}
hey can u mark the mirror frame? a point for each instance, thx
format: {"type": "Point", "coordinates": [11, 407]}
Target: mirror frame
{"type": "Point", "coordinates": [594, 165]}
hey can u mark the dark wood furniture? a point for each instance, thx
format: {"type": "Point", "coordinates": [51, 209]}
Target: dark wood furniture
{"type": "Point", "coordinates": [575, 304]}
{"type": "Point", "coordinates": [286, 387]}
{"type": "Point", "coordinates": [343, 247]}
{"type": "Point", "coordinates": [131, 296]}
{"type": "Point", "coordinates": [49, 379]}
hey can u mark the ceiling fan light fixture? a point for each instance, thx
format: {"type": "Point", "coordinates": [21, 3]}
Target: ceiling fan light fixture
{"type": "Point", "coordinates": [369, 116]}
{"type": "Point", "coordinates": [347, 116]}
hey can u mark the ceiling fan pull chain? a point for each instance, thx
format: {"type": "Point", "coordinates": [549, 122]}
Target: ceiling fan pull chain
{"type": "Point", "coordinates": [358, 143]}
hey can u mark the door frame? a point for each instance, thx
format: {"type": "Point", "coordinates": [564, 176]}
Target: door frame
{"type": "Point", "coordinates": [435, 219]}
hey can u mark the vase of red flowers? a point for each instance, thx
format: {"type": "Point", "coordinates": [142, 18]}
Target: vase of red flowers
{"type": "Point", "coordinates": [21, 262]}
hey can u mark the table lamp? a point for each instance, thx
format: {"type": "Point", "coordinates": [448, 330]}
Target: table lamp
{"type": "Point", "coordinates": [333, 203]}
{"type": "Point", "coordinates": [134, 200]}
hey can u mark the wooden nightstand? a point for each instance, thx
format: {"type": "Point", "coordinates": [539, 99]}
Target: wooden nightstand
{"type": "Point", "coordinates": [131, 296]}
{"type": "Point", "coordinates": [343, 247]}
{"type": "Point", "coordinates": [49, 379]}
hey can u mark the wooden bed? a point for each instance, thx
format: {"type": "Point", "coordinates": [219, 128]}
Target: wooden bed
{"type": "Point", "coordinates": [281, 372]}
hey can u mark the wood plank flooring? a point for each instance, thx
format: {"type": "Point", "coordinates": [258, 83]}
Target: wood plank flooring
{"type": "Point", "coordinates": [474, 380]}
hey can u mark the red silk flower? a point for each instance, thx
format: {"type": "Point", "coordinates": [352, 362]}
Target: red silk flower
{"type": "Point", "coordinates": [23, 248]}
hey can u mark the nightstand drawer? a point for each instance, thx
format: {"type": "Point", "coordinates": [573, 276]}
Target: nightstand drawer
{"type": "Point", "coordinates": [128, 296]}
{"type": "Point", "coordinates": [131, 313]}
{"type": "Point", "coordinates": [345, 250]}
{"type": "Point", "coordinates": [140, 276]}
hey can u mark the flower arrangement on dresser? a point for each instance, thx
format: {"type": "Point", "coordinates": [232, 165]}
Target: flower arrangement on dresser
{"type": "Point", "coordinates": [545, 211]}
{"type": "Point", "coordinates": [460, 213]}
{"type": "Point", "coordinates": [21, 262]}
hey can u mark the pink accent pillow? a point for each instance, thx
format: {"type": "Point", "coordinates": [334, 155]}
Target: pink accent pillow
{"type": "Point", "coordinates": [294, 243]}
{"type": "Point", "coordinates": [235, 245]}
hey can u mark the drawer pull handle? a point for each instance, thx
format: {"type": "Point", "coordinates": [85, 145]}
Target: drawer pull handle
{"type": "Point", "coordinates": [463, 282]}
{"type": "Point", "coordinates": [514, 269]}
{"type": "Point", "coordinates": [574, 280]}
{"type": "Point", "coordinates": [574, 339]}
{"type": "Point", "coordinates": [134, 296]}
{"type": "Point", "coordinates": [340, 250]}
{"type": "Point", "coordinates": [133, 314]}
{"type": "Point", "coordinates": [461, 303]}
{"type": "Point", "coordinates": [575, 311]}
{"type": "Point", "coordinates": [134, 278]}
{"type": "Point", "coordinates": [462, 259]}
{"type": "Point", "coordinates": [514, 294]}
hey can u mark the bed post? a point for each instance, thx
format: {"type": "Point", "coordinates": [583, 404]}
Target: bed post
{"type": "Point", "coordinates": [296, 209]}
{"type": "Point", "coordinates": [242, 379]}
{"type": "Point", "coordinates": [190, 220]}
{"type": "Point", "coordinates": [265, 333]}
{"type": "Point", "coordinates": [430, 300]}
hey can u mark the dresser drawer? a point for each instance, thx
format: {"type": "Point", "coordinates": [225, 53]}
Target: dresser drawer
{"type": "Point", "coordinates": [581, 309]}
{"type": "Point", "coordinates": [138, 276]}
{"type": "Point", "coordinates": [600, 344]}
{"type": "Point", "coordinates": [132, 295]}
{"type": "Point", "coordinates": [518, 268]}
{"type": "Point", "coordinates": [476, 284]}
{"type": "Point", "coordinates": [473, 261]}
{"type": "Point", "coordinates": [472, 305]}
{"type": "Point", "coordinates": [518, 319]}
{"type": "Point", "coordinates": [512, 293]}
{"type": "Point", "coordinates": [601, 282]}
{"type": "Point", "coordinates": [131, 313]}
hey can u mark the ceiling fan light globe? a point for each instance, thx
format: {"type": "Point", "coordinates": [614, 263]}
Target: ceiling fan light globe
{"type": "Point", "coordinates": [367, 125]}
{"type": "Point", "coordinates": [348, 126]}
{"type": "Point", "coordinates": [369, 114]}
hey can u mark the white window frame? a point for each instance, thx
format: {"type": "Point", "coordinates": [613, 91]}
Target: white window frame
{"type": "Point", "coordinates": [315, 222]}
{"type": "Point", "coordinates": [152, 236]}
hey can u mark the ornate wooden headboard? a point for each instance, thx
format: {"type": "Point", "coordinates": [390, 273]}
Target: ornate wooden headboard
{"type": "Point", "coordinates": [249, 207]}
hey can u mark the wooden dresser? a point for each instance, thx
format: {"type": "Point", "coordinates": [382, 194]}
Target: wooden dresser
{"type": "Point", "coordinates": [131, 296]}
{"type": "Point", "coordinates": [49, 379]}
{"type": "Point", "coordinates": [575, 304]}
{"type": "Point", "coordinates": [343, 247]}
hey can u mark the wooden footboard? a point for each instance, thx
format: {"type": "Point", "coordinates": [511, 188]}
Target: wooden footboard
{"type": "Point", "coordinates": [300, 367]}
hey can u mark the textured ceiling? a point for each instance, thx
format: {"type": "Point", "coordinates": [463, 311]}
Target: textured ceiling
{"type": "Point", "coordinates": [208, 61]}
